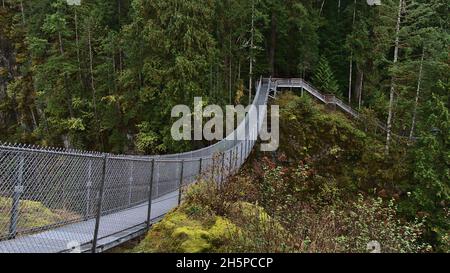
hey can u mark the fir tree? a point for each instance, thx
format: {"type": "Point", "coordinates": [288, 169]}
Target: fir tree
{"type": "Point", "coordinates": [324, 78]}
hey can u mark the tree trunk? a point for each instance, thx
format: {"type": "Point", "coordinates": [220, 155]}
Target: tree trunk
{"type": "Point", "coordinates": [77, 42]}
{"type": "Point", "coordinates": [350, 77]}
{"type": "Point", "coordinates": [321, 7]}
{"type": "Point", "coordinates": [361, 84]}
{"type": "Point", "coordinates": [273, 42]}
{"type": "Point", "coordinates": [358, 83]}
{"type": "Point", "coordinates": [2, 97]}
{"type": "Point", "coordinates": [66, 81]}
{"type": "Point", "coordinates": [119, 11]}
{"type": "Point", "coordinates": [22, 10]}
{"type": "Point", "coordinates": [33, 118]}
{"type": "Point", "coordinates": [5, 61]}
{"type": "Point", "coordinates": [8, 60]}
{"type": "Point", "coordinates": [94, 95]}
{"type": "Point", "coordinates": [119, 7]}
{"type": "Point", "coordinates": [392, 91]}
{"type": "Point", "coordinates": [230, 71]}
{"type": "Point", "coordinates": [211, 85]}
{"type": "Point", "coordinates": [251, 55]}
{"type": "Point", "coordinates": [41, 113]}
{"type": "Point", "coordinates": [91, 64]}
{"type": "Point", "coordinates": [416, 103]}
{"type": "Point", "coordinates": [239, 70]}
{"type": "Point", "coordinates": [91, 69]}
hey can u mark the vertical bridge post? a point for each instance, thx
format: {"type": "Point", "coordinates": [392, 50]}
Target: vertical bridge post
{"type": "Point", "coordinates": [130, 182]}
{"type": "Point", "coordinates": [18, 190]}
{"type": "Point", "coordinates": [231, 162]}
{"type": "Point", "coordinates": [223, 169]}
{"type": "Point", "coordinates": [88, 190]}
{"type": "Point", "coordinates": [150, 192]}
{"type": "Point", "coordinates": [99, 204]}
{"type": "Point", "coordinates": [242, 154]}
{"type": "Point", "coordinates": [181, 182]}
{"type": "Point", "coordinates": [200, 170]}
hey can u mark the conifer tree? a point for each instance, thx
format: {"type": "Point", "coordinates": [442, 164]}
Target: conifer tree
{"type": "Point", "coordinates": [324, 78]}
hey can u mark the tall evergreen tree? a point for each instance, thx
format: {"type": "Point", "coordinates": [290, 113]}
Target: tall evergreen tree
{"type": "Point", "coordinates": [324, 78]}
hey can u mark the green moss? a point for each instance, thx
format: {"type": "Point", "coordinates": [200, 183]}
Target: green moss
{"type": "Point", "coordinates": [194, 239]}
{"type": "Point", "coordinates": [179, 233]}
{"type": "Point", "coordinates": [221, 230]}
{"type": "Point", "coordinates": [32, 215]}
{"type": "Point", "coordinates": [245, 210]}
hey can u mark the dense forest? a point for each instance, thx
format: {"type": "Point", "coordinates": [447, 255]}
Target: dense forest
{"type": "Point", "coordinates": [105, 75]}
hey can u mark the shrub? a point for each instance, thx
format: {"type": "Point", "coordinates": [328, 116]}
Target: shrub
{"type": "Point", "coordinates": [371, 219]}
{"type": "Point", "coordinates": [288, 224]}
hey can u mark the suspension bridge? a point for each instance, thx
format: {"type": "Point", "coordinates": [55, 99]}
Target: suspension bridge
{"type": "Point", "coordinates": [58, 200]}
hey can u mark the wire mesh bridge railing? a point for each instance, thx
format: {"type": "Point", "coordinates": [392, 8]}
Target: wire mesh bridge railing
{"type": "Point", "coordinates": [55, 200]}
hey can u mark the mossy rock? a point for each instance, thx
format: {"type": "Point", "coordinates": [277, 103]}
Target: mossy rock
{"type": "Point", "coordinates": [222, 230]}
{"type": "Point", "coordinates": [194, 239]}
{"type": "Point", "coordinates": [178, 233]}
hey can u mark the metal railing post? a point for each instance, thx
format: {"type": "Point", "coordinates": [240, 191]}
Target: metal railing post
{"type": "Point", "coordinates": [88, 190]}
{"type": "Point", "coordinates": [157, 182]}
{"type": "Point", "coordinates": [99, 204]}
{"type": "Point", "coordinates": [130, 180]}
{"type": "Point", "coordinates": [181, 182]}
{"type": "Point", "coordinates": [214, 176]}
{"type": "Point", "coordinates": [18, 190]}
{"type": "Point", "coordinates": [229, 164]}
{"type": "Point", "coordinates": [149, 211]}
{"type": "Point", "coordinates": [242, 158]}
{"type": "Point", "coordinates": [245, 147]}
{"type": "Point", "coordinates": [223, 168]}
{"type": "Point", "coordinates": [250, 143]}
{"type": "Point", "coordinates": [238, 155]}
{"type": "Point", "coordinates": [200, 168]}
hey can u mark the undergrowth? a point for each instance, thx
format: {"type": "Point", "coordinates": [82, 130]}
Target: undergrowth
{"type": "Point", "coordinates": [329, 188]}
